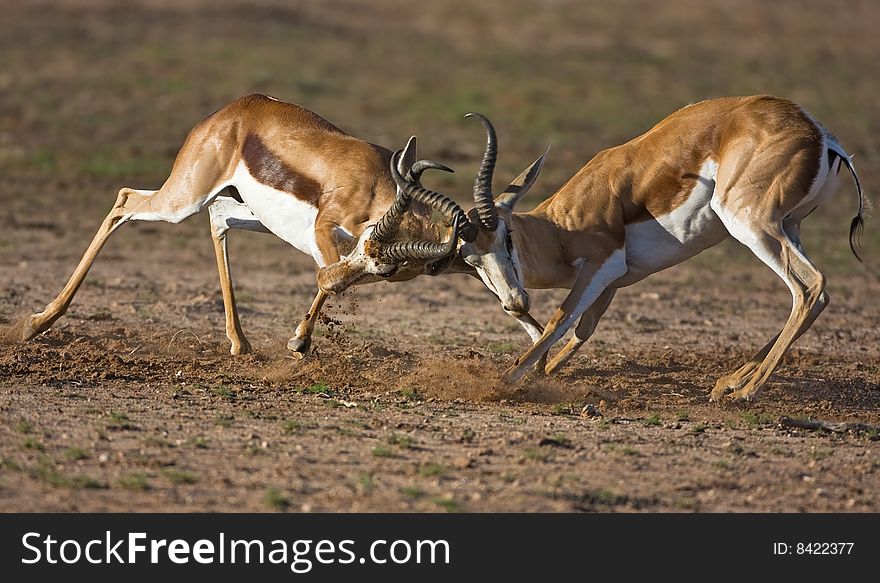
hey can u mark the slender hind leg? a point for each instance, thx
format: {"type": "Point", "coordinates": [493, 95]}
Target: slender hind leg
{"type": "Point", "coordinates": [775, 247]}
{"type": "Point", "coordinates": [583, 331]}
{"type": "Point", "coordinates": [131, 205]}
{"type": "Point", "coordinates": [737, 379]}
{"type": "Point", "coordinates": [127, 200]}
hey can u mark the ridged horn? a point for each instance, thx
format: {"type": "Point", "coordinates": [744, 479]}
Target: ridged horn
{"type": "Point", "coordinates": [483, 199]}
{"type": "Point", "coordinates": [387, 226]}
{"type": "Point", "coordinates": [407, 250]}
{"type": "Point", "coordinates": [448, 207]}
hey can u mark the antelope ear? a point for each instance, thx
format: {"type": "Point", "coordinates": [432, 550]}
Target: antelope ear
{"type": "Point", "coordinates": [521, 185]}
{"type": "Point", "coordinates": [408, 157]}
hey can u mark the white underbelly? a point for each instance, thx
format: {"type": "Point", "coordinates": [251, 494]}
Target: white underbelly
{"type": "Point", "coordinates": [286, 216]}
{"type": "Point", "coordinates": [664, 241]}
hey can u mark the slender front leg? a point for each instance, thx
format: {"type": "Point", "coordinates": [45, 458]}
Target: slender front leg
{"type": "Point", "coordinates": [325, 237]}
{"type": "Point", "coordinates": [302, 340]}
{"type": "Point", "coordinates": [591, 280]}
{"type": "Point", "coordinates": [237, 340]}
{"type": "Point", "coordinates": [583, 331]}
{"type": "Point", "coordinates": [534, 329]}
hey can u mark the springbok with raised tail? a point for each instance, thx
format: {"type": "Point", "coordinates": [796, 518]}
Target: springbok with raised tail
{"type": "Point", "coordinates": [748, 167]}
{"type": "Point", "coordinates": [265, 165]}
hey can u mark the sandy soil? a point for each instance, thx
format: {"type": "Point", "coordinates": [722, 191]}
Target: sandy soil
{"type": "Point", "coordinates": [132, 403]}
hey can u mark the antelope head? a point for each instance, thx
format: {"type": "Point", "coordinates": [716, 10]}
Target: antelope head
{"type": "Point", "coordinates": [492, 252]}
{"type": "Point", "coordinates": [382, 252]}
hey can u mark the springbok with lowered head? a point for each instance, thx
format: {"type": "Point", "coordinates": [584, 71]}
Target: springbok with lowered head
{"type": "Point", "coordinates": [265, 165]}
{"type": "Point", "coordinates": [748, 167]}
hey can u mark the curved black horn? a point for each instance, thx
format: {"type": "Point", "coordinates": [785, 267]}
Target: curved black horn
{"type": "Point", "coordinates": [415, 173]}
{"type": "Point", "coordinates": [483, 199]}
{"type": "Point", "coordinates": [387, 226]}
{"type": "Point", "coordinates": [406, 250]}
{"type": "Point", "coordinates": [448, 207]}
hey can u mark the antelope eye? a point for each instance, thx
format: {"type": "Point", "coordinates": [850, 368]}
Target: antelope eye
{"type": "Point", "coordinates": [509, 243]}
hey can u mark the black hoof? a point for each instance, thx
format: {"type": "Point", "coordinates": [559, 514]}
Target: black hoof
{"type": "Point", "coordinates": [299, 346]}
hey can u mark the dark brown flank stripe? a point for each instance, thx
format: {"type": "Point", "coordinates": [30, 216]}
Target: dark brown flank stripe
{"type": "Point", "coordinates": [268, 168]}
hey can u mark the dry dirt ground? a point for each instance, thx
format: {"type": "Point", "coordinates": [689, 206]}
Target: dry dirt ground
{"type": "Point", "coordinates": [132, 403]}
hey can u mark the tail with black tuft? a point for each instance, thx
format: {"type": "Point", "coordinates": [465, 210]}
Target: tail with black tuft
{"type": "Point", "coordinates": [857, 225]}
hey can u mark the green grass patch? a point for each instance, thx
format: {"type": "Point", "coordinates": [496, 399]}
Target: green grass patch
{"type": "Point", "coordinates": [8, 464]}
{"type": "Point", "coordinates": [653, 421]}
{"type": "Point", "coordinates": [276, 500]}
{"type": "Point", "coordinates": [432, 470]}
{"type": "Point", "coordinates": [382, 451]}
{"type": "Point", "coordinates": [24, 426]}
{"type": "Point", "coordinates": [502, 347]}
{"type": "Point", "coordinates": [46, 472]}
{"type": "Point", "coordinates": [448, 504]}
{"type": "Point", "coordinates": [179, 476]}
{"type": "Point", "coordinates": [754, 419]}
{"type": "Point", "coordinates": [137, 481]}
{"type": "Point", "coordinates": [401, 441]}
{"type": "Point", "coordinates": [412, 492]}
{"type": "Point", "coordinates": [562, 409]}
{"type": "Point", "coordinates": [33, 443]}
{"type": "Point", "coordinates": [315, 389]}
{"type": "Point", "coordinates": [224, 391]}
{"type": "Point", "coordinates": [120, 422]}
{"type": "Point", "coordinates": [535, 454]}
{"type": "Point", "coordinates": [291, 426]}
{"type": "Point", "coordinates": [109, 165]}
{"type": "Point", "coordinates": [410, 394]}
{"type": "Point", "coordinates": [604, 497]}
{"type": "Point", "coordinates": [75, 454]}
{"type": "Point", "coordinates": [366, 482]}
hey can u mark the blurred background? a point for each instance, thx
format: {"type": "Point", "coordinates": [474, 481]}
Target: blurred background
{"type": "Point", "coordinates": [96, 94]}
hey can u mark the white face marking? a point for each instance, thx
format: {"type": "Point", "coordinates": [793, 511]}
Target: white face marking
{"type": "Point", "coordinates": [499, 269]}
{"type": "Point", "coordinates": [656, 244]}
{"type": "Point", "coordinates": [289, 218]}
